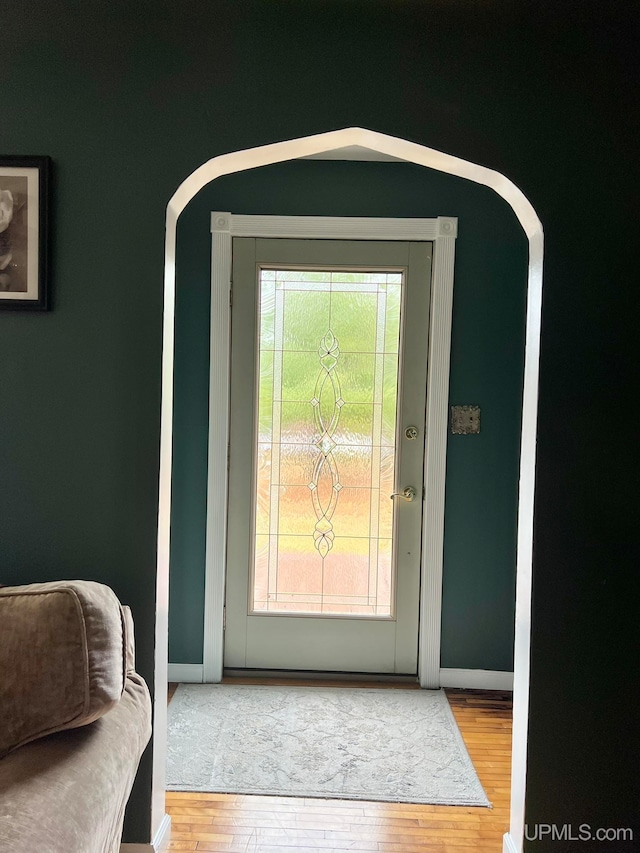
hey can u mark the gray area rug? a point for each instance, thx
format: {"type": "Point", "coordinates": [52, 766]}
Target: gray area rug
{"type": "Point", "coordinates": [349, 743]}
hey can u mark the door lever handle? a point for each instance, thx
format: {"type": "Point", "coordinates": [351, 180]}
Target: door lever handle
{"type": "Point", "coordinates": [408, 494]}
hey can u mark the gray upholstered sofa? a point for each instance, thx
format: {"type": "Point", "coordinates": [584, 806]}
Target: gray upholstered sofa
{"type": "Point", "coordinates": [74, 718]}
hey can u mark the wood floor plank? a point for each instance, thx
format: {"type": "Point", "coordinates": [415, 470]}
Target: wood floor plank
{"type": "Point", "coordinates": [236, 823]}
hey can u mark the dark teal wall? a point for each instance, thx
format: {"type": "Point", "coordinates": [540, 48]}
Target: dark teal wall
{"type": "Point", "coordinates": [129, 98]}
{"type": "Point", "coordinates": [487, 364]}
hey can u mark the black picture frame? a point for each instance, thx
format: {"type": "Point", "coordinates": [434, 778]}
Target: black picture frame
{"type": "Point", "coordinates": [24, 233]}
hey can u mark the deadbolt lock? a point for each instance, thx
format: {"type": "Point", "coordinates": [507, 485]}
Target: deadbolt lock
{"type": "Point", "coordinates": [411, 433]}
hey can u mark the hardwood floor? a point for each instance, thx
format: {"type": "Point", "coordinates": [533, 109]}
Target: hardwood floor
{"type": "Point", "coordinates": [237, 823]}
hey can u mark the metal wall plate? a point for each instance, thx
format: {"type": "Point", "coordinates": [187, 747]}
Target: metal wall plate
{"type": "Point", "coordinates": [465, 420]}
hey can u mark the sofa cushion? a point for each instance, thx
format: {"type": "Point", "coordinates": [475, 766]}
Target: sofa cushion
{"type": "Point", "coordinates": [62, 656]}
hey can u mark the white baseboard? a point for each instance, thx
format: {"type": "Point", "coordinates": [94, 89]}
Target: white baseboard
{"type": "Point", "coordinates": [476, 679]}
{"type": "Point", "coordinates": [163, 835]}
{"type": "Point", "coordinates": [192, 673]}
{"type": "Point", "coordinates": [160, 841]}
{"type": "Point", "coordinates": [508, 844]}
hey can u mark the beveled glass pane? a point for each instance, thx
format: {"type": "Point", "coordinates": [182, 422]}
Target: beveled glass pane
{"type": "Point", "coordinates": [392, 339]}
{"type": "Point", "coordinates": [346, 572]}
{"type": "Point", "coordinates": [267, 312]}
{"type": "Point", "coordinates": [305, 312]}
{"type": "Point", "coordinates": [359, 368]}
{"type": "Point", "coordinates": [261, 572]}
{"type": "Point", "coordinates": [296, 511]}
{"type": "Point", "coordinates": [327, 393]}
{"type": "Point", "coordinates": [355, 511]}
{"type": "Point", "coordinates": [389, 399]}
{"type": "Point", "coordinates": [265, 394]}
{"type": "Point", "coordinates": [263, 488]}
{"type": "Point", "coordinates": [297, 423]}
{"type": "Point", "coordinates": [296, 464]}
{"type": "Point", "coordinates": [304, 277]}
{"type": "Point", "coordinates": [355, 425]}
{"type": "Point", "coordinates": [297, 369]}
{"type": "Point", "coordinates": [360, 336]}
{"type": "Point", "coordinates": [299, 573]}
{"type": "Point", "coordinates": [354, 468]}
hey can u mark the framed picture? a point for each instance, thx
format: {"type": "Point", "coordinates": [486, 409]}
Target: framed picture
{"type": "Point", "coordinates": [24, 233]}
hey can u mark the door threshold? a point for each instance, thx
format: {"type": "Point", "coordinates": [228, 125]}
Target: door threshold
{"type": "Point", "coordinates": [318, 675]}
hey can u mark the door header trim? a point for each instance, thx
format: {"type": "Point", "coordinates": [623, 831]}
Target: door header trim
{"type": "Point", "coordinates": [334, 227]}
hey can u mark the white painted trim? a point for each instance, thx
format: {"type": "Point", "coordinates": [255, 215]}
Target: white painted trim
{"type": "Point", "coordinates": [159, 728]}
{"type": "Point", "coordinates": [435, 456]}
{"type": "Point", "coordinates": [442, 232]}
{"type": "Point", "coordinates": [186, 673]}
{"type": "Point", "coordinates": [217, 482]}
{"type": "Point", "coordinates": [476, 679]}
{"type": "Point", "coordinates": [158, 845]}
{"type": "Point", "coordinates": [332, 227]}
{"type": "Point", "coordinates": [509, 845]}
{"type": "Point", "coordinates": [421, 155]}
{"type": "Point", "coordinates": [163, 835]}
{"type": "Point", "coordinates": [524, 550]}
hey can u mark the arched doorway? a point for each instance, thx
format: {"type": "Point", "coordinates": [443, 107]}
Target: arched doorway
{"type": "Point", "coordinates": [420, 155]}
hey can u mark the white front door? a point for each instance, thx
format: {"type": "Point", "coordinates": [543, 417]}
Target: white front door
{"type": "Point", "coordinates": [328, 384]}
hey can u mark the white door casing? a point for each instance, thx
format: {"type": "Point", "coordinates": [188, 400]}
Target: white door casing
{"type": "Point", "coordinates": [361, 143]}
{"type": "Point", "coordinates": [442, 231]}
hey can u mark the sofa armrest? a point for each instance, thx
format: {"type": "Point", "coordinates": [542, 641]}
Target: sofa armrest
{"type": "Point", "coordinates": [67, 793]}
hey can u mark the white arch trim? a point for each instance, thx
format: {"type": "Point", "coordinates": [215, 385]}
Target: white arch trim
{"type": "Point", "coordinates": [411, 152]}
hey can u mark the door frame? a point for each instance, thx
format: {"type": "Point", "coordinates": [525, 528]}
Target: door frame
{"type": "Point", "coordinates": [341, 143]}
{"type": "Point", "coordinates": [442, 232]}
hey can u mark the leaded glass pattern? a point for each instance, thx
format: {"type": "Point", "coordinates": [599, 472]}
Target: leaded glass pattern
{"type": "Point", "coordinates": [327, 399]}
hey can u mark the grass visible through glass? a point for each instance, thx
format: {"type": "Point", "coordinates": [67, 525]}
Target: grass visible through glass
{"type": "Point", "coordinates": [327, 401]}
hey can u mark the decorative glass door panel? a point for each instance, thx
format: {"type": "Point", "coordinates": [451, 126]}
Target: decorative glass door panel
{"type": "Point", "coordinates": [329, 355]}
{"type": "Point", "coordinates": [325, 465]}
